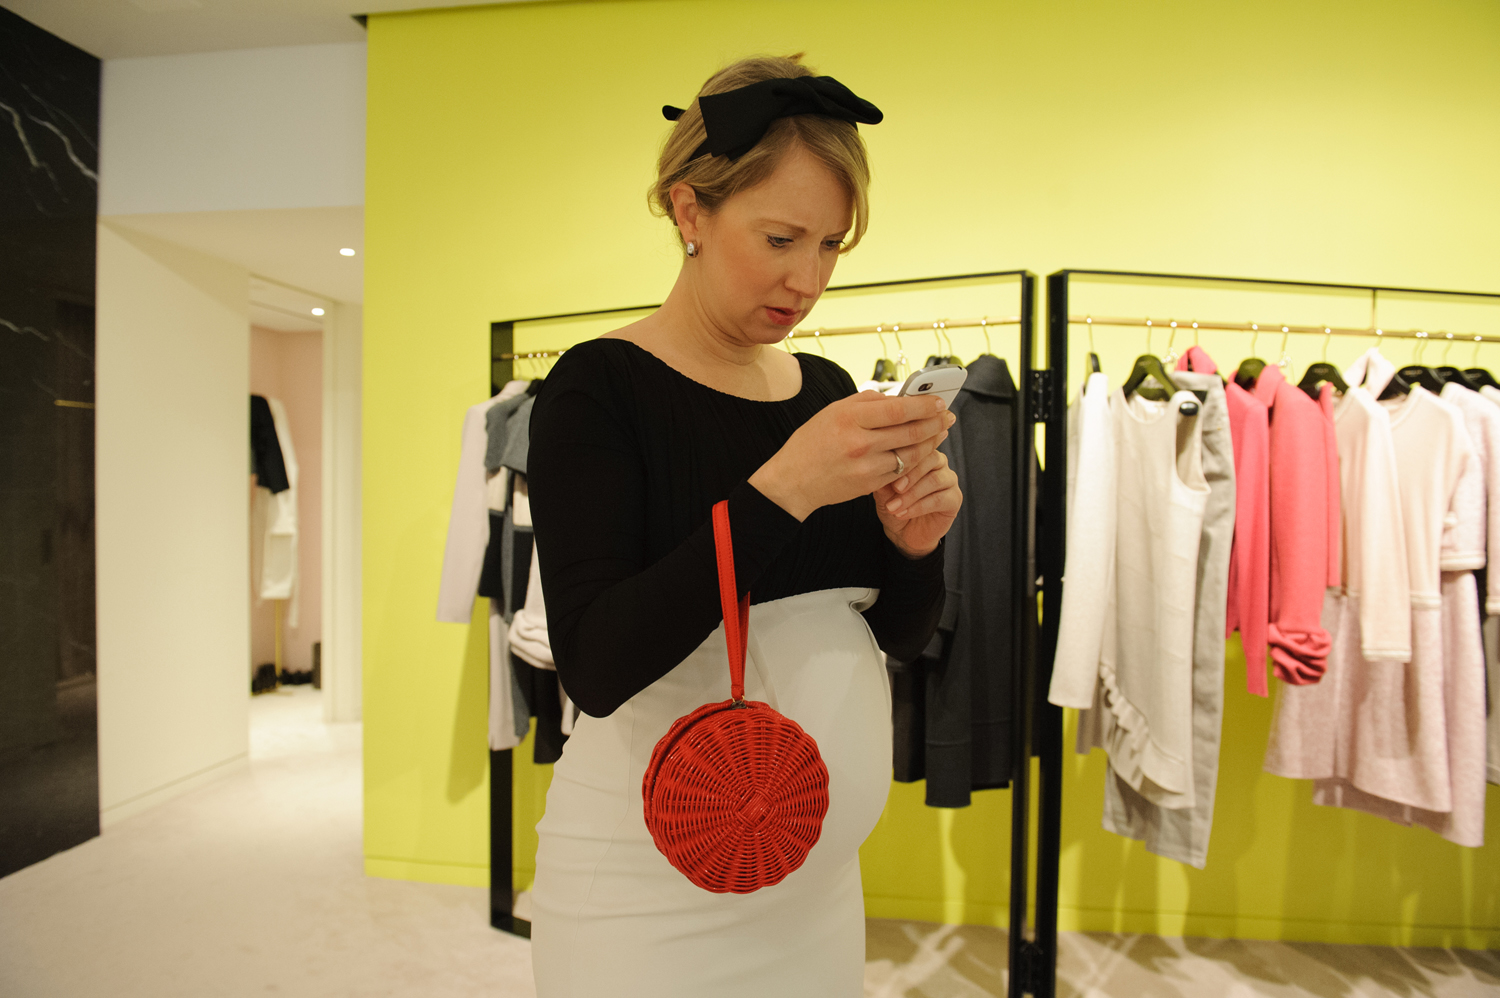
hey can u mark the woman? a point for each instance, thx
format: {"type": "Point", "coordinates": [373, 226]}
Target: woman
{"type": "Point", "coordinates": [838, 504]}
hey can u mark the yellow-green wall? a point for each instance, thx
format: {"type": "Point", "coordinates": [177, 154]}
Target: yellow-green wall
{"type": "Point", "coordinates": [508, 153]}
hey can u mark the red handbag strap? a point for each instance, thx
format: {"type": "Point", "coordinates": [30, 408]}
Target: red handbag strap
{"type": "Point", "coordinates": [736, 619]}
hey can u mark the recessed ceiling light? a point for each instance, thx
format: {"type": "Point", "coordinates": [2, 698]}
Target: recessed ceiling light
{"type": "Point", "coordinates": [346, 251]}
{"type": "Point", "coordinates": [317, 311]}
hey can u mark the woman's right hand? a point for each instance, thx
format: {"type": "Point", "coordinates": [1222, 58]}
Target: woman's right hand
{"type": "Point", "coordinates": [846, 450]}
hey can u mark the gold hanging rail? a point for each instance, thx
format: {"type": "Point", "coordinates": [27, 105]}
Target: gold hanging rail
{"type": "Point", "coordinates": [1175, 325]}
{"type": "Point", "coordinates": [896, 328]}
{"type": "Point", "coordinates": [906, 327]}
{"type": "Point", "coordinates": [531, 354]}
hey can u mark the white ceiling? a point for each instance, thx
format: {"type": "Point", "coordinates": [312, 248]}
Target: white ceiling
{"type": "Point", "coordinates": [284, 309]}
{"type": "Point", "coordinates": [295, 246]}
{"type": "Point", "coordinates": [119, 29]}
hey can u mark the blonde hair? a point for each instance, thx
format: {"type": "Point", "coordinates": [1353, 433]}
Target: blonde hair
{"type": "Point", "coordinates": [715, 179]}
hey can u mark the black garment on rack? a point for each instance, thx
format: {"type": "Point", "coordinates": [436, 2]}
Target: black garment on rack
{"type": "Point", "coordinates": [540, 691]}
{"type": "Point", "coordinates": [628, 457]}
{"type": "Point", "coordinates": [951, 706]}
{"type": "Point", "coordinates": [265, 447]}
{"type": "Point", "coordinates": [538, 687]}
{"type": "Point", "coordinates": [492, 574]}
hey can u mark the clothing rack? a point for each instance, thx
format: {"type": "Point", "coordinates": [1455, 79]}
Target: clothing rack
{"type": "Point", "coordinates": [1032, 958]}
{"type": "Point", "coordinates": [1174, 326]}
{"type": "Point", "coordinates": [938, 326]}
{"type": "Point", "coordinates": [1050, 399]}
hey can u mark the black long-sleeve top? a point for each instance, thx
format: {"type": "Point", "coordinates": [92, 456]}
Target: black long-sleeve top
{"type": "Point", "coordinates": [628, 457]}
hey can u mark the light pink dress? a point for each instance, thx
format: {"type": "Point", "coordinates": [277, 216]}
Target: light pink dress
{"type": "Point", "coordinates": [1370, 617]}
{"type": "Point", "coordinates": [1391, 748]}
{"type": "Point", "coordinates": [1473, 528]}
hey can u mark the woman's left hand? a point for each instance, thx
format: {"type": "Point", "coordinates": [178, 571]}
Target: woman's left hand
{"type": "Point", "coordinates": [918, 508]}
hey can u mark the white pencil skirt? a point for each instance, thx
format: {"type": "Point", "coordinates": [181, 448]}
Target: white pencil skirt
{"type": "Point", "coordinates": [611, 917]}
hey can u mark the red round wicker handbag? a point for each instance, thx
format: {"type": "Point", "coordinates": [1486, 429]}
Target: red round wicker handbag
{"type": "Point", "coordinates": [736, 792]}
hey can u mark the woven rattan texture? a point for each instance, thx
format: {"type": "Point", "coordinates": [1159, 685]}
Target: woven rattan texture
{"type": "Point", "coordinates": [735, 796]}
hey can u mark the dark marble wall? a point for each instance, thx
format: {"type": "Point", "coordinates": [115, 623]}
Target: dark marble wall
{"type": "Point", "coordinates": [49, 185]}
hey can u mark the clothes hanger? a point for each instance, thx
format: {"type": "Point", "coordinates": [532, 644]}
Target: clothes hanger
{"type": "Point", "coordinates": [1401, 382]}
{"type": "Point", "coordinates": [1322, 371]}
{"type": "Point", "coordinates": [936, 359]}
{"type": "Point", "coordinates": [1251, 366]}
{"type": "Point", "coordinates": [953, 357]}
{"type": "Point", "coordinates": [1417, 374]}
{"type": "Point", "coordinates": [885, 368]}
{"type": "Point", "coordinates": [984, 325]}
{"type": "Point", "coordinates": [1450, 375]}
{"type": "Point", "coordinates": [932, 358]}
{"type": "Point", "coordinates": [1285, 363]}
{"type": "Point", "coordinates": [1149, 366]}
{"type": "Point", "coordinates": [1093, 357]}
{"type": "Point", "coordinates": [1398, 386]}
{"type": "Point", "coordinates": [1171, 358]}
{"type": "Point", "coordinates": [1481, 377]}
{"type": "Point", "coordinates": [903, 366]}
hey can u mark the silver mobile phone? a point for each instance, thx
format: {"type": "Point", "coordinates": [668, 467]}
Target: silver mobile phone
{"type": "Point", "coordinates": [942, 380]}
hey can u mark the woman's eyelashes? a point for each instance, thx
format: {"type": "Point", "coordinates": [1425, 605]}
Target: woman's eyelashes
{"type": "Point", "coordinates": [782, 242]}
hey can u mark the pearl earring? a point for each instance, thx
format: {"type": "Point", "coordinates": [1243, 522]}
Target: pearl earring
{"type": "Point", "coordinates": [692, 249]}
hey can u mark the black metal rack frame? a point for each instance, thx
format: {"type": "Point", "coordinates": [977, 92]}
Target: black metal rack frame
{"type": "Point", "coordinates": [1033, 960]}
{"type": "Point", "coordinates": [1034, 963]}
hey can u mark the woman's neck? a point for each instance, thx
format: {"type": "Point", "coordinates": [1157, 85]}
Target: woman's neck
{"type": "Point", "coordinates": [685, 320]}
{"type": "Point", "coordinates": [683, 334]}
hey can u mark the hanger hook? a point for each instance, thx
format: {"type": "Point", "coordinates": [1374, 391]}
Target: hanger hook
{"type": "Point", "coordinates": [1195, 332]}
{"type": "Point", "coordinates": [902, 367]}
{"type": "Point", "coordinates": [1254, 336]}
{"type": "Point", "coordinates": [1327, 335]}
{"type": "Point", "coordinates": [1148, 335]}
{"type": "Point", "coordinates": [1286, 358]}
{"type": "Point", "coordinates": [1447, 349]}
{"type": "Point", "coordinates": [1477, 341]}
{"type": "Point", "coordinates": [984, 324]}
{"type": "Point", "coordinates": [881, 336]}
{"type": "Point", "coordinates": [1171, 339]}
{"type": "Point", "coordinates": [1089, 319]}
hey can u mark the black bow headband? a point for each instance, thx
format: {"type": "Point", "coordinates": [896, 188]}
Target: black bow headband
{"type": "Point", "coordinates": [737, 119]}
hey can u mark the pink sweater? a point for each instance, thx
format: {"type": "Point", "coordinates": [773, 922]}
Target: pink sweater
{"type": "Point", "coordinates": [1304, 524]}
{"type": "Point", "coordinates": [1250, 555]}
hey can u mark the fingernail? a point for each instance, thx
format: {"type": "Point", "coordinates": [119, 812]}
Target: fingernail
{"type": "Point", "coordinates": [952, 419]}
{"type": "Point", "coordinates": [901, 484]}
{"type": "Point", "coordinates": [893, 505]}
{"type": "Point", "coordinates": [942, 403]}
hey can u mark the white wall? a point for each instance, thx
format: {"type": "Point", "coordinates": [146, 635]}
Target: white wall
{"type": "Point", "coordinates": [226, 131]}
{"type": "Point", "coordinates": [173, 360]}
{"type": "Point", "coordinates": [342, 373]}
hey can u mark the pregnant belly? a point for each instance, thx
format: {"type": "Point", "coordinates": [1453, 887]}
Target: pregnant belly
{"type": "Point", "coordinates": [813, 658]}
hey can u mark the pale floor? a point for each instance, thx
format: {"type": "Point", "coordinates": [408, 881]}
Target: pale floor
{"type": "Point", "coordinates": [254, 885]}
